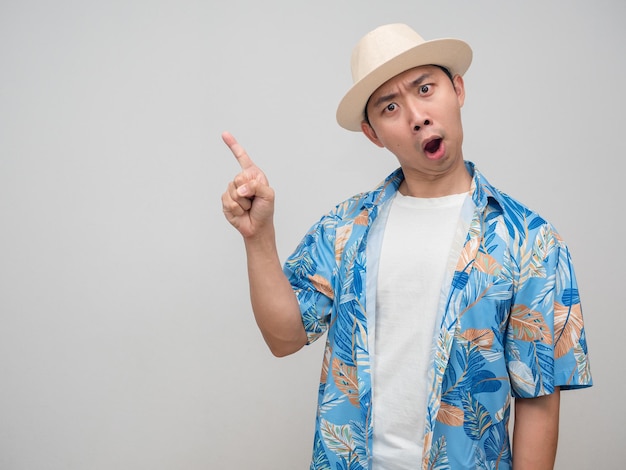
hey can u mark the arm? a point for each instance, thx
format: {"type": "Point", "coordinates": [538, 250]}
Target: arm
{"type": "Point", "coordinates": [248, 204]}
{"type": "Point", "coordinates": [535, 432]}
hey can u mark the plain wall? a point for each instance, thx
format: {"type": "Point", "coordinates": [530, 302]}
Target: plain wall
{"type": "Point", "coordinates": [126, 335]}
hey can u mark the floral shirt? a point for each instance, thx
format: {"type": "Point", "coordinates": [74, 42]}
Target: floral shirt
{"type": "Point", "coordinates": [510, 325]}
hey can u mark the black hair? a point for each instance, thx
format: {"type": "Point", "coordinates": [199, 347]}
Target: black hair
{"type": "Point", "coordinates": [444, 69]}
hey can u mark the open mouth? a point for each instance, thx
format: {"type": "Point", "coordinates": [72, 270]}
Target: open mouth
{"type": "Point", "coordinates": [432, 145]}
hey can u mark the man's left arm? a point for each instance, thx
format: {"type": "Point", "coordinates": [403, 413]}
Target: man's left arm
{"type": "Point", "coordinates": [536, 432]}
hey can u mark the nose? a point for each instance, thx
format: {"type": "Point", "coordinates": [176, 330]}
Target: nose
{"type": "Point", "coordinates": [418, 117]}
{"type": "Point", "coordinates": [417, 127]}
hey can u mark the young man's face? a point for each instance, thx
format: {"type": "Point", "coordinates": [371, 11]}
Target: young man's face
{"type": "Point", "coordinates": [417, 116]}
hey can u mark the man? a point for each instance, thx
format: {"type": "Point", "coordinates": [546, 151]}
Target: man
{"type": "Point", "coordinates": [441, 296]}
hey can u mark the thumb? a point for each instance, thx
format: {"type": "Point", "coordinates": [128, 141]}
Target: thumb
{"type": "Point", "coordinates": [256, 188]}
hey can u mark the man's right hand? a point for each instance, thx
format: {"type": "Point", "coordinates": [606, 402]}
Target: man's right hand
{"type": "Point", "coordinates": [248, 202]}
{"type": "Point", "coordinates": [248, 205]}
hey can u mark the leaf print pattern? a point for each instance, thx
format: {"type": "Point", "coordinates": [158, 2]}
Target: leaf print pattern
{"type": "Point", "coordinates": [438, 456]}
{"type": "Point", "coordinates": [346, 380]}
{"type": "Point", "coordinates": [320, 459]}
{"type": "Point", "coordinates": [568, 325]}
{"type": "Point", "coordinates": [544, 245]}
{"type": "Point", "coordinates": [582, 364]}
{"type": "Point", "coordinates": [326, 364]}
{"type": "Point", "coordinates": [511, 325]}
{"type": "Point", "coordinates": [338, 439]}
{"type": "Point", "coordinates": [450, 415]}
{"type": "Point", "coordinates": [487, 264]}
{"type": "Point", "coordinates": [362, 219]}
{"type": "Point", "coordinates": [343, 235]}
{"type": "Point", "coordinates": [497, 446]}
{"type": "Point", "coordinates": [322, 285]}
{"type": "Point", "coordinates": [477, 418]}
{"type": "Point", "coordinates": [522, 378]}
{"type": "Point", "coordinates": [528, 325]}
{"type": "Point", "coordinates": [482, 339]}
{"type": "Point", "coordinates": [468, 255]}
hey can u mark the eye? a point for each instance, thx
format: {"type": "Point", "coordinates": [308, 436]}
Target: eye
{"type": "Point", "coordinates": [424, 89]}
{"type": "Point", "coordinates": [391, 107]}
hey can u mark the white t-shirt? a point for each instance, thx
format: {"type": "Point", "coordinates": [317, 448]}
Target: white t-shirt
{"type": "Point", "coordinates": [415, 255]}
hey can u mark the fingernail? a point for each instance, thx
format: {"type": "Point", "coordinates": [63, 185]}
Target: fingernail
{"type": "Point", "coordinates": [242, 190]}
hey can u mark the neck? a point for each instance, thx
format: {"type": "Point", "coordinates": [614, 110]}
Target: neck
{"type": "Point", "coordinates": [429, 186]}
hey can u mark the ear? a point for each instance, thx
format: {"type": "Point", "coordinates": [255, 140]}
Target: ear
{"type": "Point", "coordinates": [370, 133]}
{"type": "Point", "coordinates": [459, 88]}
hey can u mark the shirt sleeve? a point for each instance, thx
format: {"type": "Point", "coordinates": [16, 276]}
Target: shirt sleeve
{"type": "Point", "coordinates": [570, 342]}
{"type": "Point", "coordinates": [310, 270]}
{"type": "Point", "coordinates": [545, 339]}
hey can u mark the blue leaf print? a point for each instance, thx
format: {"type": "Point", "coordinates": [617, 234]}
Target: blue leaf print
{"type": "Point", "coordinates": [485, 382]}
{"type": "Point", "coordinates": [517, 214]}
{"type": "Point", "coordinates": [497, 446]}
{"type": "Point", "coordinates": [535, 223]}
{"type": "Point", "coordinates": [366, 404]}
{"type": "Point", "coordinates": [312, 324]}
{"type": "Point", "coordinates": [490, 227]}
{"type": "Point", "coordinates": [344, 332]}
{"type": "Point", "coordinates": [570, 297]}
{"type": "Point", "coordinates": [488, 240]}
{"type": "Point", "coordinates": [460, 359]}
{"type": "Point", "coordinates": [459, 280]}
{"type": "Point", "coordinates": [481, 462]}
{"type": "Point", "coordinates": [353, 464]}
{"type": "Point", "coordinates": [477, 418]}
{"type": "Point", "coordinates": [438, 455]}
{"type": "Point", "coordinates": [341, 465]}
{"type": "Point", "coordinates": [509, 227]}
{"type": "Point", "coordinates": [541, 362]}
{"type": "Point", "coordinates": [319, 460]}
{"type": "Point", "coordinates": [449, 379]}
{"type": "Point", "coordinates": [357, 284]}
{"type": "Point", "coordinates": [583, 341]}
{"type": "Point", "coordinates": [302, 265]}
{"type": "Point", "coordinates": [359, 437]}
{"type": "Point", "coordinates": [492, 215]}
{"type": "Point", "coordinates": [475, 362]}
{"type": "Point", "coordinates": [452, 395]}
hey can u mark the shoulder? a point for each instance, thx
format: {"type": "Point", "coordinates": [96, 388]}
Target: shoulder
{"type": "Point", "coordinates": [519, 218]}
{"type": "Point", "coordinates": [526, 234]}
{"type": "Point", "coordinates": [368, 201]}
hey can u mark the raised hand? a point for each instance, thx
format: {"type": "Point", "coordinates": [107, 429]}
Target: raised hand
{"type": "Point", "coordinates": [248, 205]}
{"type": "Point", "coordinates": [248, 202]}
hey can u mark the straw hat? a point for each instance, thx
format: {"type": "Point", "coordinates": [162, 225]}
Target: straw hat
{"type": "Point", "coordinates": [388, 51]}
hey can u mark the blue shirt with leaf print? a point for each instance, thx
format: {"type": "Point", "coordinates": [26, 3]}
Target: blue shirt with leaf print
{"type": "Point", "coordinates": [510, 325]}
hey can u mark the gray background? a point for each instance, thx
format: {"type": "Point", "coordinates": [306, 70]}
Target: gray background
{"type": "Point", "coordinates": [126, 337]}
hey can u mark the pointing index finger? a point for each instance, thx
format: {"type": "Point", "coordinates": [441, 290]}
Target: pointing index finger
{"type": "Point", "coordinates": [238, 151]}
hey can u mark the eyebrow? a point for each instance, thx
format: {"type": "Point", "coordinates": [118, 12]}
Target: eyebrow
{"type": "Point", "coordinates": [391, 96]}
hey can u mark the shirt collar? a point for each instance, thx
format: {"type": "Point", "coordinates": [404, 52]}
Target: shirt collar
{"type": "Point", "coordinates": [483, 193]}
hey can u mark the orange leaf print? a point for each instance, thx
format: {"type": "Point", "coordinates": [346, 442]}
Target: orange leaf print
{"type": "Point", "coordinates": [346, 380]}
{"type": "Point", "coordinates": [450, 415]}
{"type": "Point", "coordinates": [341, 238]}
{"type": "Point", "coordinates": [326, 364]}
{"type": "Point", "coordinates": [482, 338]}
{"type": "Point", "coordinates": [323, 285]}
{"type": "Point", "coordinates": [362, 218]}
{"type": "Point", "coordinates": [529, 325]}
{"type": "Point", "coordinates": [468, 254]}
{"type": "Point", "coordinates": [487, 264]}
{"type": "Point", "coordinates": [568, 323]}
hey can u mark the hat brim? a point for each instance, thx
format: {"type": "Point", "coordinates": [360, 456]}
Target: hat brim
{"type": "Point", "coordinates": [453, 54]}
